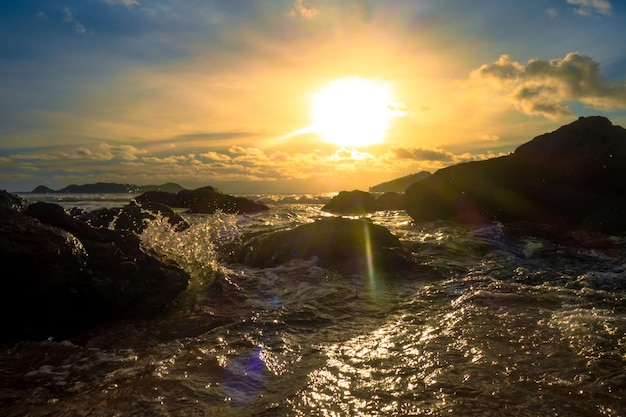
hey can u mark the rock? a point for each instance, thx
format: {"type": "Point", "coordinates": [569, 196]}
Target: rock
{"type": "Point", "coordinates": [63, 276]}
{"type": "Point", "coordinates": [351, 202]}
{"type": "Point", "coordinates": [204, 200]}
{"type": "Point", "coordinates": [11, 201]}
{"type": "Point", "coordinates": [391, 201]}
{"type": "Point", "coordinates": [574, 176]}
{"type": "Point", "coordinates": [132, 217]}
{"type": "Point", "coordinates": [109, 188]}
{"type": "Point", "coordinates": [335, 241]}
{"type": "Point", "coordinates": [399, 185]}
{"type": "Point", "coordinates": [42, 189]}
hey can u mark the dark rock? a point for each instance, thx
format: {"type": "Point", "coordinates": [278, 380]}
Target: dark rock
{"type": "Point", "coordinates": [351, 202]}
{"type": "Point", "coordinates": [65, 276]}
{"type": "Point", "coordinates": [109, 188]}
{"type": "Point", "coordinates": [391, 201]}
{"type": "Point", "coordinates": [335, 241]}
{"type": "Point", "coordinates": [42, 189]}
{"type": "Point", "coordinates": [11, 201]}
{"type": "Point", "coordinates": [203, 200]}
{"type": "Point", "coordinates": [399, 185]}
{"type": "Point", "coordinates": [132, 217]}
{"type": "Point", "coordinates": [574, 176]}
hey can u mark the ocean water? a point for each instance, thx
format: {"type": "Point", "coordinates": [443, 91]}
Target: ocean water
{"type": "Point", "coordinates": [488, 324]}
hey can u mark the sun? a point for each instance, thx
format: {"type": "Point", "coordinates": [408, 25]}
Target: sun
{"type": "Point", "coordinates": [353, 112]}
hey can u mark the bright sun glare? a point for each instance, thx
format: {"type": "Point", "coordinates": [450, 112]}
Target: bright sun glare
{"type": "Point", "coordinates": [352, 112]}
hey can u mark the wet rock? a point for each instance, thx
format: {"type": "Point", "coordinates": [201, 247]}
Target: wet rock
{"type": "Point", "coordinates": [11, 201]}
{"type": "Point", "coordinates": [61, 276]}
{"type": "Point", "coordinates": [203, 200]}
{"type": "Point", "coordinates": [391, 201]}
{"type": "Point", "coordinates": [352, 202]}
{"type": "Point", "coordinates": [132, 217]}
{"type": "Point", "coordinates": [334, 241]}
{"type": "Point", "coordinates": [574, 176]}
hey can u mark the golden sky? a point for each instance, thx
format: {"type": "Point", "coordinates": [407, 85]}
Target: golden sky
{"type": "Point", "coordinates": [224, 93]}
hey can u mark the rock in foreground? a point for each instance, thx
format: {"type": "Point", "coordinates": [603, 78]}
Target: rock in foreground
{"type": "Point", "coordinates": [335, 241]}
{"type": "Point", "coordinates": [574, 176]}
{"type": "Point", "coordinates": [61, 276]}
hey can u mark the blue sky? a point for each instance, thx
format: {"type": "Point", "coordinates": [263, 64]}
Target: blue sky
{"type": "Point", "coordinates": [219, 92]}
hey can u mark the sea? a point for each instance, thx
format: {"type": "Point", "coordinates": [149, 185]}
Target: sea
{"type": "Point", "coordinates": [489, 323]}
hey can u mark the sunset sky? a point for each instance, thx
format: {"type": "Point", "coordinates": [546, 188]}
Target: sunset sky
{"type": "Point", "coordinates": [292, 95]}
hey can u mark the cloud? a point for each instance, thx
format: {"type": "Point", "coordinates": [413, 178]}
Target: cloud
{"type": "Point", "coordinates": [214, 156]}
{"type": "Point", "coordinates": [421, 154]}
{"type": "Point", "coordinates": [128, 3]}
{"type": "Point", "coordinates": [552, 12]}
{"type": "Point", "coordinates": [592, 7]}
{"type": "Point", "coordinates": [304, 9]}
{"type": "Point", "coordinates": [350, 155]}
{"type": "Point", "coordinates": [101, 152]}
{"type": "Point", "coordinates": [68, 17]}
{"type": "Point", "coordinates": [543, 87]}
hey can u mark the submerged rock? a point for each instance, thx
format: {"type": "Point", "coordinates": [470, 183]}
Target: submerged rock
{"type": "Point", "coordinates": [575, 176]}
{"type": "Point", "coordinates": [335, 241]}
{"type": "Point", "coordinates": [61, 276]}
{"type": "Point", "coordinates": [352, 202]}
{"type": "Point", "coordinates": [203, 200]}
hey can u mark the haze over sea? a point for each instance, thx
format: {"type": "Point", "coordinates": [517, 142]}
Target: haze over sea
{"type": "Point", "coordinates": [488, 323]}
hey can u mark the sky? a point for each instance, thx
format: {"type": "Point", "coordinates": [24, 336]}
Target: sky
{"type": "Point", "coordinates": [229, 93]}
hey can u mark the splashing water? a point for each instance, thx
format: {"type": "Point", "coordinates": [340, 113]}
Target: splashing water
{"type": "Point", "coordinates": [197, 249]}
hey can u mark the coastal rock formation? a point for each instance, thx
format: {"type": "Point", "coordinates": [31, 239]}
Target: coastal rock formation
{"type": "Point", "coordinates": [109, 188]}
{"type": "Point", "coordinates": [203, 200]}
{"type": "Point", "coordinates": [61, 276]}
{"type": "Point", "coordinates": [351, 202]}
{"type": "Point", "coordinates": [132, 217]}
{"type": "Point", "coordinates": [391, 201]}
{"type": "Point", "coordinates": [10, 201]}
{"type": "Point", "coordinates": [399, 185]}
{"type": "Point", "coordinates": [42, 189]}
{"type": "Point", "coordinates": [574, 176]}
{"type": "Point", "coordinates": [335, 241]}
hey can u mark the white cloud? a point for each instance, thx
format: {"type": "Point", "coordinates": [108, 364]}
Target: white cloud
{"type": "Point", "coordinates": [543, 87]}
{"type": "Point", "coordinates": [68, 17]}
{"type": "Point", "coordinates": [552, 12]}
{"type": "Point", "coordinates": [591, 7]}
{"type": "Point", "coordinates": [128, 3]}
{"type": "Point", "coordinates": [214, 156]}
{"type": "Point", "coordinates": [304, 9]}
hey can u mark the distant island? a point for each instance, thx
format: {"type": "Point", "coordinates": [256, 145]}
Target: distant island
{"type": "Point", "coordinates": [109, 188]}
{"type": "Point", "coordinates": [399, 185]}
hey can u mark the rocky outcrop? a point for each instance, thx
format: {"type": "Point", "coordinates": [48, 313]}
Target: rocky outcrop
{"type": "Point", "coordinates": [335, 241]}
{"type": "Point", "coordinates": [399, 185]}
{"type": "Point", "coordinates": [61, 276]}
{"type": "Point", "coordinates": [109, 188]}
{"type": "Point", "coordinates": [11, 201]}
{"type": "Point", "coordinates": [351, 203]}
{"type": "Point", "coordinates": [132, 217]}
{"type": "Point", "coordinates": [574, 176]}
{"type": "Point", "coordinates": [391, 201]}
{"type": "Point", "coordinates": [203, 200]}
{"type": "Point", "coordinates": [42, 189]}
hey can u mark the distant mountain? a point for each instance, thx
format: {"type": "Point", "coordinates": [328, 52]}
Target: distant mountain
{"type": "Point", "coordinates": [110, 188]}
{"type": "Point", "coordinates": [400, 184]}
{"type": "Point", "coordinates": [42, 189]}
